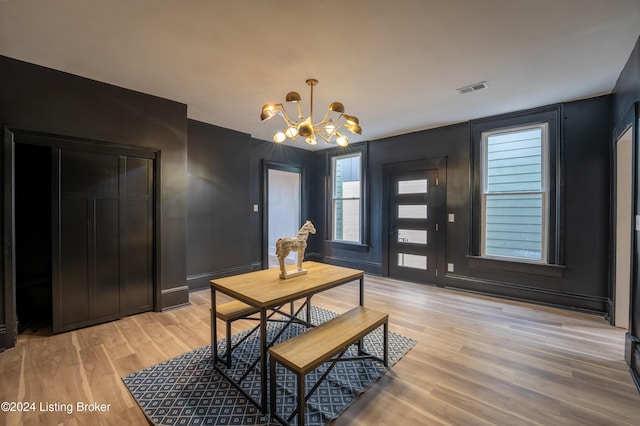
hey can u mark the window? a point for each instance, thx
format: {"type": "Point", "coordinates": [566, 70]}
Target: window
{"type": "Point", "coordinates": [346, 172]}
{"type": "Point", "coordinates": [515, 193]}
{"type": "Point", "coordinates": [516, 201]}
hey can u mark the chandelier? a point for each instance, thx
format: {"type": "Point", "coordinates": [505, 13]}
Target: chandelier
{"type": "Point", "coordinates": [327, 129]}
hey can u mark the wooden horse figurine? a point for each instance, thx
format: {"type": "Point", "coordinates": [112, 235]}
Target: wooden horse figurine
{"type": "Point", "coordinates": [298, 243]}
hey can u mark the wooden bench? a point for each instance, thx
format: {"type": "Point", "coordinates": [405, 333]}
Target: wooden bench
{"type": "Point", "coordinates": [327, 342]}
{"type": "Point", "coordinates": [237, 310]}
{"type": "Point", "coordinates": [230, 312]}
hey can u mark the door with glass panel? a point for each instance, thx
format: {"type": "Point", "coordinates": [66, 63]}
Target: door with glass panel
{"type": "Point", "coordinates": [412, 226]}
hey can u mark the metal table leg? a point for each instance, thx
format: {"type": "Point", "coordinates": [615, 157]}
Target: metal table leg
{"type": "Point", "coordinates": [263, 361]}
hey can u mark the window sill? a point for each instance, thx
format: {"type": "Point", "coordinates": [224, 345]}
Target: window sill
{"type": "Point", "coordinates": [348, 245]}
{"type": "Point", "coordinates": [545, 269]}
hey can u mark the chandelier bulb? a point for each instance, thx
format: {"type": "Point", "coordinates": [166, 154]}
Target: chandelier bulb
{"type": "Point", "coordinates": [330, 128]}
{"type": "Point", "coordinates": [279, 137]}
{"type": "Point", "coordinates": [291, 132]}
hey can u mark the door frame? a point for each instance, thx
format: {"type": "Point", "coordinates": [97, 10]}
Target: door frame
{"type": "Point", "coordinates": [617, 256]}
{"type": "Point", "coordinates": [440, 165]}
{"type": "Point", "coordinates": [292, 168]}
{"type": "Point", "coordinates": [8, 330]}
{"type": "Point", "coordinates": [9, 335]}
{"type": "Point", "coordinates": [632, 339]}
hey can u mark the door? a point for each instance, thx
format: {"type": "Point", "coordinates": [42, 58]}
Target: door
{"type": "Point", "coordinates": [102, 226]}
{"type": "Point", "coordinates": [283, 209]}
{"type": "Point", "coordinates": [86, 265]}
{"type": "Point", "coordinates": [413, 226]}
{"type": "Point", "coordinates": [136, 234]}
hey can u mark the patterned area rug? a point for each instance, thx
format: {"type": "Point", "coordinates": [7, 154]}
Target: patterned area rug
{"type": "Point", "coordinates": [187, 390]}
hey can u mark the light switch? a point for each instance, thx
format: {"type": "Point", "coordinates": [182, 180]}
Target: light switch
{"type": "Point", "coordinates": [637, 222]}
{"type": "Point", "coordinates": [449, 267]}
{"type": "Point", "coordinates": [451, 217]}
{"type": "Point", "coordinates": [255, 208]}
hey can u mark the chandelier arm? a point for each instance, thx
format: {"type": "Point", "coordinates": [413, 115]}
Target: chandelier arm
{"type": "Point", "coordinates": [311, 102]}
{"type": "Point", "coordinates": [324, 120]}
{"type": "Point", "coordinates": [300, 116]}
{"type": "Point", "coordinates": [326, 138]}
{"type": "Point", "coordinates": [285, 117]}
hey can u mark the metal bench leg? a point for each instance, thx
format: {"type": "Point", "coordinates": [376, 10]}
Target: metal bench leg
{"type": "Point", "coordinates": [272, 386]}
{"type": "Point", "coordinates": [386, 344]}
{"type": "Point", "coordinates": [228, 344]}
{"type": "Point", "coordinates": [301, 398]}
{"type": "Point", "coordinates": [214, 329]}
{"type": "Point", "coordinates": [214, 345]}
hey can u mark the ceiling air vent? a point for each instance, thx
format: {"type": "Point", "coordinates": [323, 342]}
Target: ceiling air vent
{"type": "Point", "coordinates": [473, 87]}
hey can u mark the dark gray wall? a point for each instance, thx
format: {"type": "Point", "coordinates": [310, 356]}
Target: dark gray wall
{"type": "Point", "coordinates": [585, 170]}
{"type": "Point", "coordinates": [450, 143]}
{"type": "Point", "coordinates": [626, 112]}
{"type": "Point", "coordinates": [40, 99]}
{"type": "Point", "coordinates": [626, 92]}
{"type": "Point", "coordinates": [219, 228]}
{"type": "Point", "coordinates": [225, 182]}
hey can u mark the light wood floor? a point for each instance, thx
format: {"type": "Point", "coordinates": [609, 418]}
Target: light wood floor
{"type": "Point", "coordinates": [478, 361]}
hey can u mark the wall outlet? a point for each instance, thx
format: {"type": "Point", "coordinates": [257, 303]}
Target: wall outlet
{"type": "Point", "coordinates": [637, 222]}
{"type": "Point", "coordinates": [449, 267]}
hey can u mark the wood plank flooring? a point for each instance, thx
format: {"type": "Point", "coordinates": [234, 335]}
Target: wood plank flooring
{"type": "Point", "coordinates": [478, 361]}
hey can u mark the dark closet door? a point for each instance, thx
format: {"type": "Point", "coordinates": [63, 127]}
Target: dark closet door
{"type": "Point", "coordinates": [137, 234]}
{"type": "Point", "coordinates": [102, 236]}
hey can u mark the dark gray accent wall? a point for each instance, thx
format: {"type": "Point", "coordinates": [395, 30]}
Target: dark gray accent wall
{"type": "Point", "coordinates": [219, 228]}
{"type": "Point", "coordinates": [626, 112]}
{"type": "Point", "coordinates": [225, 234]}
{"type": "Point", "coordinates": [585, 170]}
{"type": "Point", "coordinates": [40, 99]}
{"type": "Point", "coordinates": [450, 144]}
{"type": "Point", "coordinates": [626, 93]}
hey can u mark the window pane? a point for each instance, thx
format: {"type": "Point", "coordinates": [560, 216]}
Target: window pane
{"type": "Point", "coordinates": [412, 236]}
{"type": "Point", "coordinates": [513, 225]}
{"type": "Point", "coordinates": [515, 192]}
{"type": "Point", "coordinates": [346, 198]}
{"type": "Point", "coordinates": [347, 220]}
{"type": "Point", "coordinates": [418, 186]}
{"type": "Point", "coordinates": [514, 161]}
{"type": "Point", "coordinates": [412, 261]}
{"type": "Point", "coordinates": [414, 211]}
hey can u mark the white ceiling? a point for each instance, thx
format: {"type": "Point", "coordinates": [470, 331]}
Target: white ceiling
{"type": "Point", "coordinates": [394, 64]}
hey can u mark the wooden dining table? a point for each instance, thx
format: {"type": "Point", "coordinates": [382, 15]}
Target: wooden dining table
{"type": "Point", "coordinates": [265, 290]}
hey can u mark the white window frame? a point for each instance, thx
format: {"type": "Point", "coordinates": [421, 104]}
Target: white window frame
{"type": "Point", "coordinates": [544, 190]}
{"type": "Point", "coordinates": [334, 198]}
